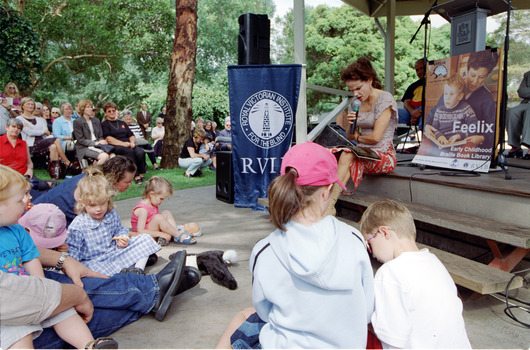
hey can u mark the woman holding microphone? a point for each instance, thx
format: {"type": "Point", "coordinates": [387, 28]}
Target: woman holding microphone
{"type": "Point", "coordinates": [375, 123]}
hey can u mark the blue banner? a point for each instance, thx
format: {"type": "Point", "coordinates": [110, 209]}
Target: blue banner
{"type": "Point", "coordinates": [263, 102]}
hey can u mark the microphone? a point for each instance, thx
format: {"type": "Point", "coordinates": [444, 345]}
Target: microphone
{"type": "Point", "coordinates": [356, 105]}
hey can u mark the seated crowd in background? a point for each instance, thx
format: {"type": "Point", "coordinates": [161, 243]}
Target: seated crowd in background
{"type": "Point", "coordinates": [70, 138]}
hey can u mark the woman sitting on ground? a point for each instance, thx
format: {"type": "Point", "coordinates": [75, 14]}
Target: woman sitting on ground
{"type": "Point", "coordinates": [88, 134]}
{"type": "Point", "coordinates": [118, 134]}
{"type": "Point", "coordinates": [36, 134]}
{"type": "Point", "coordinates": [119, 171]}
{"type": "Point", "coordinates": [375, 127]}
{"type": "Point", "coordinates": [13, 97]}
{"type": "Point", "coordinates": [190, 159]}
{"type": "Point", "coordinates": [157, 134]}
{"type": "Point", "coordinates": [140, 141]}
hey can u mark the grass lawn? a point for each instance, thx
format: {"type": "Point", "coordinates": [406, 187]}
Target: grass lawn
{"type": "Point", "coordinates": [175, 176]}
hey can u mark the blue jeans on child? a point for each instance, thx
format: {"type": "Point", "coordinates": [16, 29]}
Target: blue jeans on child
{"type": "Point", "coordinates": [118, 301]}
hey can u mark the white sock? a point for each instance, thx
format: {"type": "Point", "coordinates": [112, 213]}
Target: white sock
{"type": "Point", "coordinates": [191, 260]}
{"type": "Point", "coordinates": [141, 263]}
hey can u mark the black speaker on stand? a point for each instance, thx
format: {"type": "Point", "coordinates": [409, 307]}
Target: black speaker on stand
{"type": "Point", "coordinates": [253, 44]}
{"type": "Point", "coordinates": [224, 183]}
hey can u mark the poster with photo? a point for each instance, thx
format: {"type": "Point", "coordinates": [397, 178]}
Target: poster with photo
{"type": "Point", "coordinates": [461, 111]}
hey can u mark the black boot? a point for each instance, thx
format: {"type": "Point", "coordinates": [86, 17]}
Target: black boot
{"type": "Point", "coordinates": [169, 280]}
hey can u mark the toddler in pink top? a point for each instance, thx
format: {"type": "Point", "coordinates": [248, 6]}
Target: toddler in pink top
{"type": "Point", "coordinates": [146, 217]}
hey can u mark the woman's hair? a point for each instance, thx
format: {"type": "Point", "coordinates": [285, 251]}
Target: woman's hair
{"type": "Point", "coordinates": [64, 104]}
{"type": "Point", "coordinates": [199, 119]}
{"type": "Point", "coordinates": [161, 120]}
{"type": "Point", "coordinates": [10, 178]}
{"type": "Point", "coordinates": [388, 213]}
{"type": "Point", "coordinates": [24, 100]}
{"type": "Point", "coordinates": [361, 70]}
{"type": "Point", "coordinates": [286, 197]}
{"type": "Point", "coordinates": [483, 59]}
{"type": "Point", "coordinates": [199, 133]}
{"type": "Point", "coordinates": [158, 185]}
{"type": "Point", "coordinates": [8, 94]}
{"type": "Point", "coordinates": [108, 105]}
{"type": "Point", "coordinates": [55, 109]}
{"type": "Point", "coordinates": [214, 124]}
{"type": "Point", "coordinates": [83, 104]}
{"type": "Point", "coordinates": [16, 122]}
{"type": "Point", "coordinates": [116, 168]}
{"type": "Point", "coordinates": [126, 112]}
{"type": "Point", "coordinates": [94, 187]}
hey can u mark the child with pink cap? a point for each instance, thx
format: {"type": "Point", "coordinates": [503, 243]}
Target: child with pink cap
{"type": "Point", "coordinates": [312, 277]}
{"type": "Point", "coordinates": [18, 255]}
{"type": "Point", "coordinates": [46, 224]}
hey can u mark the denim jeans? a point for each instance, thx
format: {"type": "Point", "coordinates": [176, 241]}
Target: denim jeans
{"type": "Point", "coordinates": [118, 301]}
{"type": "Point", "coordinates": [404, 117]}
{"type": "Point", "coordinates": [192, 164]}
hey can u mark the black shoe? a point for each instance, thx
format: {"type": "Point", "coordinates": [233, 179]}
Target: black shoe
{"type": "Point", "coordinates": [192, 277]}
{"type": "Point", "coordinates": [527, 156]}
{"type": "Point", "coordinates": [153, 258]}
{"type": "Point", "coordinates": [162, 242]}
{"type": "Point", "coordinates": [515, 154]}
{"type": "Point", "coordinates": [198, 173]}
{"type": "Point", "coordinates": [169, 280]}
{"type": "Point", "coordinates": [135, 270]}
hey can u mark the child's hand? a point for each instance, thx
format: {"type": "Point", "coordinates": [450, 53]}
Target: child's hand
{"type": "Point", "coordinates": [443, 140]}
{"type": "Point", "coordinates": [63, 248]}
{"type": "Point", "coordinates": [121, 241]}
{"type": "Point", "coordinates": [454, 138]}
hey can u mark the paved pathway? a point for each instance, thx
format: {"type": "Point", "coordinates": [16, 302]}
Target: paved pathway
{"type": "Point", "coordinates": [198, 317]}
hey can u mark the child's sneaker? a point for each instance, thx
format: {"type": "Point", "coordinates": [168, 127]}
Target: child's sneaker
{"type": "Point", "coordinates": [102, 343]}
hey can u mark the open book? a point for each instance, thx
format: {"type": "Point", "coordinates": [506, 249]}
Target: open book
{"type": "Point", "coordinates": [437, 143]}
{"type": "Point", "coordinates": [335, 136]}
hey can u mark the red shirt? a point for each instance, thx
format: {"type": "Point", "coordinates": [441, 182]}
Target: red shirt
{"type": "Point", "coordinates": [14, 157]}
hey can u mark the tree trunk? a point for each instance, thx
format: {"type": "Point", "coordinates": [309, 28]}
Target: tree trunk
{"type": "Point", "coordinates": [178, 103]}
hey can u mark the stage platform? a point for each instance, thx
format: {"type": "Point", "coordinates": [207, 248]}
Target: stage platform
{"type": "Point", "coordinates": [487, 196]}
{"type": "Point", "coordinates": [484, 218]}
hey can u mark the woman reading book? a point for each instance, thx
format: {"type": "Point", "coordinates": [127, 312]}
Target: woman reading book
{"type": "Point", "coordinates": [375, 123]}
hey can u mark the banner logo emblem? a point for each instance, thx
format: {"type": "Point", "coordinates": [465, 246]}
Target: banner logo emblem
{"type": "Point", "coordinates": [266, 118]}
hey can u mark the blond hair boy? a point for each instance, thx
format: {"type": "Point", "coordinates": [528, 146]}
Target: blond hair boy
{"type": "Point", "coordinates": [416, 302]}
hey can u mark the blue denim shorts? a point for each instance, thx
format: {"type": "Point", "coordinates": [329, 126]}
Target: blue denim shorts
{"type": "Point", "coordinates": [247, 335]}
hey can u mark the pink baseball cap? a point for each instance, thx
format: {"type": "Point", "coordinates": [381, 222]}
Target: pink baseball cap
{"type": "Point", "coordinates": [46, 224]}
{"type": "Point", "coordinates": [316, 166]}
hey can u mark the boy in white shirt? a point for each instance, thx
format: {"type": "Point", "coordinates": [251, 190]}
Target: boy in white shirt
{"type": "Point", "coordinates": [416, 302]}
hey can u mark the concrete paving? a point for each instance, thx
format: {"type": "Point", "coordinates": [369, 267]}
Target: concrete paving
{"type": "Point", "coordinates": [198, 317]}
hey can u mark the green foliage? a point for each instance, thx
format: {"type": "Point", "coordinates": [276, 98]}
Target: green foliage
{"type": "Point", "coordinates": [210, 100]}
{"type": "Point", "coordinates": [218, 30]}
{"type": "Point", "coordinates": [519, 49]}
{"type": "Point", "coordinates": [335, 37]}
{"type": "Point", "coordinates": [20, 58]}
{"type": "Point", "coordinates": [85, 41]}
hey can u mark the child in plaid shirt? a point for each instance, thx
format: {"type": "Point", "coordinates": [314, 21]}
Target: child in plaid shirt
{"type": "Point", "coordinates": [96, 237]}
{"type": "Point", "coordinates": [18, 255]}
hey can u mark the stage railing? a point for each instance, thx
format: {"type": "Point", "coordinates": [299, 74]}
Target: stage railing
{"type": "Point", "coordinates": [334, 113]}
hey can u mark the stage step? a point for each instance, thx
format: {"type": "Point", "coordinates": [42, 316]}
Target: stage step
{"type": "Point", "coordinates": [470, 274]}
{"type": "Point", "coordinates": [513, 235]}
